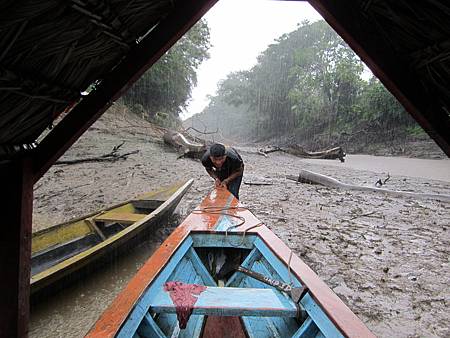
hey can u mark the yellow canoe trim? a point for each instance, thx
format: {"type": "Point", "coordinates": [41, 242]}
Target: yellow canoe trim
{"type": "Point", "coordinates": [120, 217]}
{"type": "Point", "coordinates": [42, 241]}
{"type": "Point", "coordinates": [91, 251]}
{"type": "Point", "coordinates": [79, 227]}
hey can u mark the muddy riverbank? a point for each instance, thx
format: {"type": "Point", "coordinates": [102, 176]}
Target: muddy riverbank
{"type": "Point", "coordinates": [386, 258]}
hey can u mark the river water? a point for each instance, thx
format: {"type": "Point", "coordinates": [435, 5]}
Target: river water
{"type": "Point", "coordinates": [402, 166]}
{"type": "Point", "coordinates": [73, 311]}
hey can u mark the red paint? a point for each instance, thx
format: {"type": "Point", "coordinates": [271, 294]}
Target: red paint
{"type": "Point", "coordinates": [224, 327]}
{"type": "Point", "coordinates": [183, 297]}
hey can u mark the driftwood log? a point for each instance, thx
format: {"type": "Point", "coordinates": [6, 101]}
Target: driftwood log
{"type": "Point", "coordinates": [297, 150]}
{"type": "Point", "coordinates": [183, 145]}
{"type": "Point", "coordinates": [112, 157]}
{"type": "Point", "coordinates": [310, 177]}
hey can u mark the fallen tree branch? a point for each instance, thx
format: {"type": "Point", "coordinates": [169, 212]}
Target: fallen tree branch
{"type": "Point", "coordinates": [367, 214]}
{"type": "Point", "coordinates": [297, 150]}
{"type": "Point", "coordinates": [201, 132]}
{"type": "Point", "coordinates": [310, 177]}
{"type": "Point", "coordinates": [183, 145]}
{"type": "Point", "coordinates": [112, 157]}
{"type": "Point", "coordinates": [258, 183]}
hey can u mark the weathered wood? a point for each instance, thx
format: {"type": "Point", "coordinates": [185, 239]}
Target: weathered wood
{"type": "Point", "coordinates": [231, 301]}
{"type": "Point", "coordinates": [333, 153]}
{"type": "Point", "coordinates": [15, 247]}
{"type": "Point", "coordinates": [297, 150]}
{"type": "Point", "coordinates": [310, 177]}
{"type": "Point", "coordinates": [107, 157]}
{"type": "Point", "coordinates": [183, 145]}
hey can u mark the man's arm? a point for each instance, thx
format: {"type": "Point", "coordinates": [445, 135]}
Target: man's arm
{"type": "Point", "coordinates": [238, 172]}
{"type": "Point", "coordinates": [211, 173]}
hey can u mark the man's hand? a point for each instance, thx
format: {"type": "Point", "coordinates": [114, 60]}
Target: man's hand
{"type": "Point", "coordinates": [217, 183]}
{"type": "Point", "coordinates": [224, 183]}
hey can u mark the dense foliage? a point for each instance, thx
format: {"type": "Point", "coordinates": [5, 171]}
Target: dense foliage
{"type": "Point", "coordinates": [164, 90]}
{"type": "Point", "coordinates": [307, 85]}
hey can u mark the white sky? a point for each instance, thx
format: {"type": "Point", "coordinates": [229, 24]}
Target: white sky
{"type": "Point", "coordinates": [240, 31]}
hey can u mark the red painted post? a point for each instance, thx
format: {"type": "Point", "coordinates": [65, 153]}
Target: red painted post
{"type": "Point", "coordinates": [15, 247]}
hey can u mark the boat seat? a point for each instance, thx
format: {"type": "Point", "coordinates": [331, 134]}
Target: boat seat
{"type": "Point", "coordinates": [147, 204]}
{"type": "Point", "coordinates": [119, 217]}
{"type": "Point", "coordinates": [227, 301]}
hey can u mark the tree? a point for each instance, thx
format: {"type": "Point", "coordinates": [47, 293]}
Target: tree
{"type": "Point", "coordinates": [165, 89]}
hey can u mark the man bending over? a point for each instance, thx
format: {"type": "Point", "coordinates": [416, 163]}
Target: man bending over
{"type": "Point", "coordinates": [225, 166]}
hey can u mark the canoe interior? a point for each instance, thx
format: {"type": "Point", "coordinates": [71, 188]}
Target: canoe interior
{"type": "Point", "coordinates": [233, 304]}
{"type": "Point", "coordinates": [60, 242]}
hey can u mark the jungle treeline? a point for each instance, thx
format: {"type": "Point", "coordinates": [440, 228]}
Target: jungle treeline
{"type": "Point", "coordinates": [163, 92]}
{"type": "Point", "coordinates": [310, 88]}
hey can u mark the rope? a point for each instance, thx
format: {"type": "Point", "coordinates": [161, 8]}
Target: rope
{"type": "Point", "coordinates": [289, 268]}
{"type": "Point", "coordinates": [222, 211]}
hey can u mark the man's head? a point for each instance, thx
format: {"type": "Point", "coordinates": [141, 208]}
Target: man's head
{"type": "Point", "coordinates": [217, 154]}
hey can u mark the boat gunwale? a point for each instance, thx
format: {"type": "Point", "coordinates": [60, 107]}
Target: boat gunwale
{"type": "Point", "coordinates": [44, 278]}
{"type": "Point", "coordinates": [111, 321]}
{"type": "Point", "coordinates": [148, 196]}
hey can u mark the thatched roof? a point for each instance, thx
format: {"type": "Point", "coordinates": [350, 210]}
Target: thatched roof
{"type": "Point", "coordinates": [53, 50]}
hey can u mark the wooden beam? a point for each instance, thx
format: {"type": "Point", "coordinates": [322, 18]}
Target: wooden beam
{"type": "Point", "coordinates": [231, 301]}
{"type": "Point", "coordinates": [184, 15]}
{"type": "Point", "coordinates": [15, 247]}
{"type": "Point", "coordinates": [345, 17]}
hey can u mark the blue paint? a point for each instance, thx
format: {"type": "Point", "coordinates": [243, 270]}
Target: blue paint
{"type": "Point", "coordinates": [141, 308]}
{"type": "Point", "coordinates": [276, 264]}
{"type": "Point", "coordinates": [224, 224]}
{"type": "Point", "coordinates": [319, 317]}
{"type": "Point", "coordinates": [265, 311]}
{"type": "Point", "coordinates": [148, 328]}
{"type": "Point", "coordinates": [312, 308]}
{"type": "Point", "coordinates": [219, 301]}
{"type": "Point", "coordinates": [200, 268]}
{"type": "Point", "coordinates": [307, 330]}
{"type": "Point", "coordinates": [219, 240]}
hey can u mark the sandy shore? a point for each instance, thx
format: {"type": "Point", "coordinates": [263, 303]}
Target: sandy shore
{"type": "Point", "coordinates": [387, 258]}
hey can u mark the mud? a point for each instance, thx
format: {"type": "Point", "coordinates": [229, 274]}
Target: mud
{"type": "Point", "coordinates": [386, 258]}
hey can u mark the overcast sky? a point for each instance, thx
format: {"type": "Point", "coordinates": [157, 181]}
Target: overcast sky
{"type": "Point", "coordinates": [240, 30]}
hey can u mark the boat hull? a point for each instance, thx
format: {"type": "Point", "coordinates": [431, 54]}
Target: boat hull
{"type": "Point", "coordinates": [48, 279]}
{"type": "Point", "coordinates": [190, 256]}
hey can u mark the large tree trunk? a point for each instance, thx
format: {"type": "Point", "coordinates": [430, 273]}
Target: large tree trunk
{"type": "Point", "coordinates": [183, 145]}
{"type": "Point", "coordinates": [306, 176]}
{"type": "Point", "coordinates": [297, 150]}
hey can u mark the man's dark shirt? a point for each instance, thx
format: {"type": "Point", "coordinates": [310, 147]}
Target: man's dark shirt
{"type": "Point", "coordinates": [232, 163]}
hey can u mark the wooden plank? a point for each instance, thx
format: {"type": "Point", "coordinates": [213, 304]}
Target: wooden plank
{"type": "Point", "coordinates": [307, 330]}
{"type": "Point", "coordinates": [15, 247]}
{"type": "Point", "coordinates": [147, 204]}
{"type": "Point", "coordinates": [219, 240]}
{"type": "Point", "coordinates": [59, 235]}
{"type": "Point", "coordinates": [120, 217]}
{"type": "Point", "coordinates": [332, 306]}
{"type": "Point", "coordinates": [224, 327]}
{"type": "Point", "coordinates": [148, 328]}
{"type": "Point", "coordinates": [217, 301]}
{"type": "Point", "coordinates": [312, 308]}
{"type": "Point", "coordinates": [200, 268]}
{"type": "Point", "coordinates": [142, 307]}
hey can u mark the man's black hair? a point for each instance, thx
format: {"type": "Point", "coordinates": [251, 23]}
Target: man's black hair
{"type": "Point", "coordinates": [217, 150]}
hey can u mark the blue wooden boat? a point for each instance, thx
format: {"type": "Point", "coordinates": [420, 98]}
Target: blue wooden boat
{"type": "Point", "coordinates": [222, 273]}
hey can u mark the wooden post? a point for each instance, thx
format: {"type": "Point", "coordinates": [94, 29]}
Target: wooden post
{"type": "Point", "coordinates": [15, 246]}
